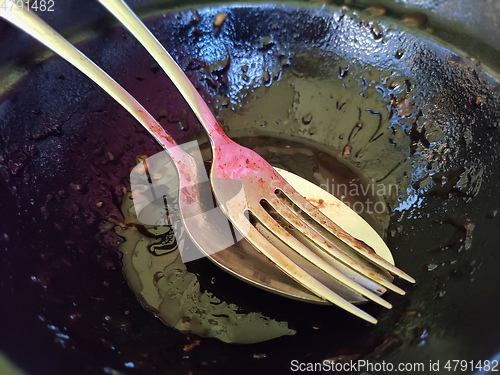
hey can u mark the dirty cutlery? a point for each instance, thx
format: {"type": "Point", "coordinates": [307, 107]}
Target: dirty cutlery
{"type": "Point", "coordinates": [264, 191]}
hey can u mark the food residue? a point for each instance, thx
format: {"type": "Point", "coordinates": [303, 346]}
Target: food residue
{"type": "Point", "coordinates": [219, 19]}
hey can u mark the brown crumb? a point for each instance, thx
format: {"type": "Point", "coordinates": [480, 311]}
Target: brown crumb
{"type": "Point", "coordinates": [405, 106]}
{"type": "Point", "coordinates": [99, 204]}
{"type": "Point", "coordinates": [142, 160]}
{"type": "Point", "coordinates": [415, 19]}
{"type": "Point", "coordinates": [111, 156]}
{"type": "Point", "coordinates": [347, 150]}
{"type": "Point", "coordinates": [219, 19]}
{"type": "Point", "coordinates": [376, 9]}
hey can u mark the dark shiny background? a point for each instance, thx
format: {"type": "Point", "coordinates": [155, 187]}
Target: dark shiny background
{"type": "Point", "coordinates": [66, 307]}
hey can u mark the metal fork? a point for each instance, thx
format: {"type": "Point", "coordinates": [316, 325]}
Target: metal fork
{"type": "Point", "coordinates": [33, 25]}
{"type": "Point", "coordinates": [264, 187]}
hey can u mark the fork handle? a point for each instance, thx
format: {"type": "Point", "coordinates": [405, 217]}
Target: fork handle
{"type": "Point", "coordinates": [129, 19]}
{"type": "Point", "coordinates": [36, 27]}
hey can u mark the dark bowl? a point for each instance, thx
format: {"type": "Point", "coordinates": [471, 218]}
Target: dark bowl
{"type": "Point", "coordinates": [430, 120]}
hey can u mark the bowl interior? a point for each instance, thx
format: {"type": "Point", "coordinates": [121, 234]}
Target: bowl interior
{"type": "Point", "coordinates": [417, 121]}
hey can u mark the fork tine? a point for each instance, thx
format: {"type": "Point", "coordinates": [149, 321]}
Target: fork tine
{"type": "Point", "coordinates": [295, 271]}
{"type": "Point", "coordinates": [287, 214]}
{"type": "Point", "coordinates": [362, 248]}
{"type": "Point", "coordinates": [308, 254]}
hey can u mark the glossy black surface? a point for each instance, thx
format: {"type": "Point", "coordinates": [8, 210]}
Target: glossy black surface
{"type": "Point", "coordinates": [66, 307]}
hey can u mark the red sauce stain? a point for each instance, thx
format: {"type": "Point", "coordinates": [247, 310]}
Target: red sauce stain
{"type": "Point", "coordinates": [189, 347]}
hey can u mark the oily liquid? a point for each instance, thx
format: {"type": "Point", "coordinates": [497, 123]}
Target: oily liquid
{"type": "Point", "coordinates": [157, 275]}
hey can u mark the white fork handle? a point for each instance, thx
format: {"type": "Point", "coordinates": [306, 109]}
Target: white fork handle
{"type": "Point", "coordinates": [29, 22]}
{"type": "Point", "coordinates": [130, 20]}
